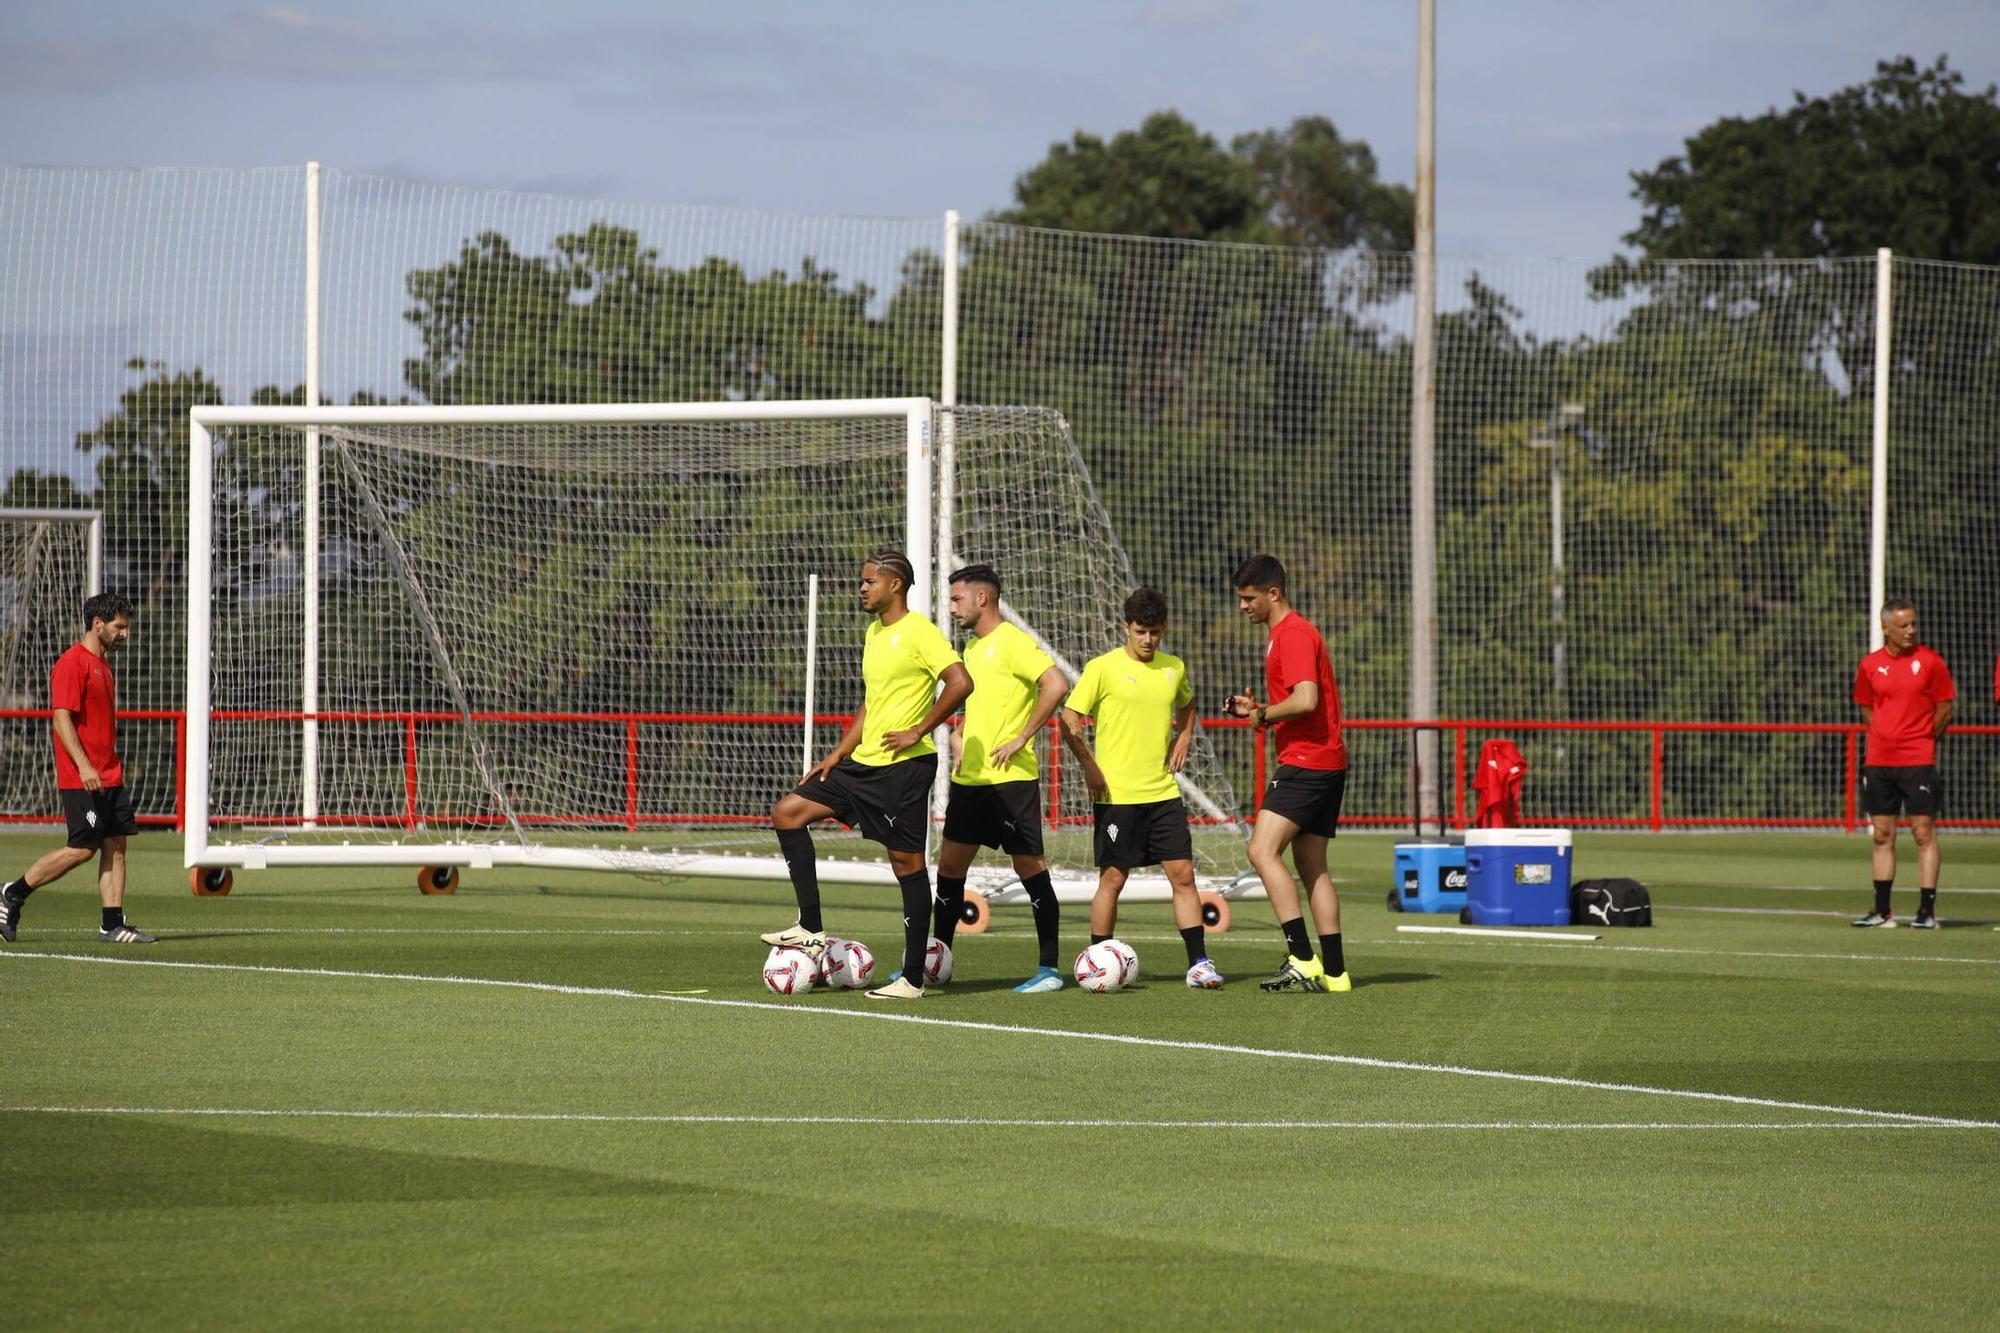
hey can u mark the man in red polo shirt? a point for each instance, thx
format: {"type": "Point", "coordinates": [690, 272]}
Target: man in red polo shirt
{"type": "Point", "coordinates": [1905, 693]}
{"type": "Point", "coordinates": [1301, 806]}
{"type": "Point", "coordinates": [89, 774]}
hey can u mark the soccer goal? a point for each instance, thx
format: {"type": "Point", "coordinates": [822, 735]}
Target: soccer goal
{"type": "Point", "coordinates": [584, 636]}
{"type": "Point", "coordinates": [50, 561]}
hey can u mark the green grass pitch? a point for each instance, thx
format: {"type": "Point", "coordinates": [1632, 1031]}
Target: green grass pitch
{"type": "Point", "coordinates": [303, 1108]}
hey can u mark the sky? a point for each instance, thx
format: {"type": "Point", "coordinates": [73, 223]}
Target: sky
{"type": "Point", "coordinates": [893, 108]}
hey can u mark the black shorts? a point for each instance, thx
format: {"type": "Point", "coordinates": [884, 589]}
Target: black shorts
{"type": "Point", "coordinates": [889, 803]}
{"type": "Point", "coordinates": [1007, 815]}
{"type": "Point", "coordinates": [96, 815]}
{"type": "Point", "coordinates": [1309, 797]}
{"type": "Point", "coordinates": [1130, 836]}
{"type": "Point", "coordinates": [1917, 790]}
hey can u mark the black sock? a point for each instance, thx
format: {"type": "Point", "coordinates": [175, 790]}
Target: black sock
{"type": "Point", "coordinates": [1926, 902]}
{"type": "Point", "coordinates": [18, 890]}
{"type": "Point", "coordinates": [1296, 940]}
{"type": "Point", "coordinates": [916, 923]}
{"type": "Point", "coordinates": [1099, 939]}
{"type": "Point", "coordinates": [797, 845]}
{"type": "Point", "coordinates": [1882, 895]}
{"type": "Point", "coordinates": [1197, 944]}
{"type": "Point", "coordinates": [1330, 954]}
{"type": "Point", "coordinates": [114, 917]}
{"type": "Point", "coordinates": [1048, 913]}
{"type": "Point", "coordinates": [950, 897]}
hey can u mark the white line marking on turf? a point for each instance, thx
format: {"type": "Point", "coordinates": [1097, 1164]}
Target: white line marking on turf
{"type": "Point", "coordinates": [976, 1122]}
{"type": "Point", "coordinates": [1725, 953]}
{"type": "Point", "coordinates": [1023, 1030]}
{"type": "Point", "coordinates": [1491, 931]}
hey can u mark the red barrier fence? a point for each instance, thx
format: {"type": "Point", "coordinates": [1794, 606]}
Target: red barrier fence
{"type": "Point", "coordinates": [1459, 730]}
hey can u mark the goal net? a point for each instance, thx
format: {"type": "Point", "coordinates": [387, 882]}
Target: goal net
{"type": "Point", "coordinates": [582, 636]}
{"type": "Point", "coordinates": [50, 562]}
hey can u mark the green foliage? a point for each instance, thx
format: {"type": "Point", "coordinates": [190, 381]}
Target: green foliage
{"type": "Point", "coordinates": [1909, 160]}
{"type": "Point", "coordinates": [600, 319]}
{"type": "Point", "coordinates": [1165, 179]}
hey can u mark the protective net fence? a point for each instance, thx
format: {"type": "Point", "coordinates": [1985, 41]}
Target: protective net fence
{"type": "Point", "coordinates": [1653, 479]}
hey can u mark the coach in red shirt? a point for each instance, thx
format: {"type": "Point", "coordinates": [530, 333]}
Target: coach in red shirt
{"type": "Point", "coordinates": [1905, 693]}
{"type": "Point", "coordinates": [90, 776]}
{"type": "Point", "coordinates": [1301, 806]}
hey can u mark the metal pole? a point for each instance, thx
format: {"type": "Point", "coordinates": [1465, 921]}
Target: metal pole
{"type": "Point", "coordinates": [812, 663]}
{"type": "Point", "coordinates": [1423, 426]}
{"type": "Point", "coordinates": [947, 458]}
{"type": "Point", "coordinates": [1556, 561]}
{"type": "Point", "coordinates": [1878, 502]}
{"type": "Point", "coordinates": [309, 557]}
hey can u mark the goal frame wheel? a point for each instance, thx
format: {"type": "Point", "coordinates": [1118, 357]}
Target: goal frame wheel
{"type": "Point", "coordinates": [435, 881]}
{"type": "Point", "coordinates": [1215, 912]}
{"type": "Point", "coordinates": [211, 881]}
{"type": "Point", "coordinates": [975, 913]}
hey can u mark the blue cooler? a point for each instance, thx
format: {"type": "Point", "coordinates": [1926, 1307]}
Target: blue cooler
{"type": "Point", "coordinates": [1517, 876]}
{"type": "Point", "coordinates": [1430, 876]}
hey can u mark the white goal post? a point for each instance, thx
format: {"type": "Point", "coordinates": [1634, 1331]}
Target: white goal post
{"type": "Point", "coordinates": [573, 635]}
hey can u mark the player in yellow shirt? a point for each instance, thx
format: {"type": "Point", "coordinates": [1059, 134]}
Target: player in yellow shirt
{"type": "Point", "coordinates": [878, 779]}
{"type": "Point", "coordinates": [996, 789]}
{"type": "Point", "coordinates": [1143, 704]}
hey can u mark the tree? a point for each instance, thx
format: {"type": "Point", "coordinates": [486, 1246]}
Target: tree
{"type": "Point", "coordinates": [600, 319]}
{"type": "Point", "coordinates": [1165, 179]}
{"type": "Point", "coordinates": [1321, 190]}
{"type": "Point", "coordinates": [1908, 160]}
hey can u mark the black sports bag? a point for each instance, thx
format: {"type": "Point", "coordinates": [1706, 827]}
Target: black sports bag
{"type": "Point", "coordinates": [1610, 902]}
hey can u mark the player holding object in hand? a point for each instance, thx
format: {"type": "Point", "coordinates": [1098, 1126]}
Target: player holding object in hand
{"type": "Point", "coordinates": [1301, 806]}
{"type": "Point", "coordinates": [1144, 707]}
{"type": "Point", "coordinates": [878, 778]}
{"type": "Point", "coordinates": [996, 790]}
{"type": "Point", "coordinates": [90, 775]}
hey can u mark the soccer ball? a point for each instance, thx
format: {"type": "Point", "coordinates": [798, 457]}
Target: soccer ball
{"type": "Point", "coordinates": [789, 971]}
{"type": "Point", "coordinates": [937, 962]}
{"type": "Point", "coordinates": [832, 962]}
{"type": "Point", "coordinates": [847, 964]}
{"type": "Point", "coordinates": [1131, 957]}
{"type": "Point", "coordinates": [1106, 967]}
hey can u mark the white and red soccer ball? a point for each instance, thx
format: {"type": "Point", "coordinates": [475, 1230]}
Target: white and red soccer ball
{"type": "Point", "coordinates": [937, 962]}
{"type": "Point", "coordinates": [789, 971]}
{"type": "Point", "coordinates": [1107, 966]}
{"type": "Point", "coordinates": [846, 965]}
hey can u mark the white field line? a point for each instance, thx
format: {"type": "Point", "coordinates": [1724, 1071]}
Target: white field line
{"type": "Point", "coordinates": [809, 1009]}
{"type": "Point", "coordinates": [1717, 953]}
{"type": "Point", "coordinates": [1749, 911]}
{"type": "Point", "coordinates": [1860, 893]}
{"type": "Point", "coordinates": [976, 1122]}
{"type": "Point", "coordinates": [1011, 936]}
{"type": "Point", "coordinates": [1496, 932]}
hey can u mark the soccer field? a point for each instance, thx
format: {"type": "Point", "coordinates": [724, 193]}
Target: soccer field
{"type": "Point", "coordinates": [328, 1101]}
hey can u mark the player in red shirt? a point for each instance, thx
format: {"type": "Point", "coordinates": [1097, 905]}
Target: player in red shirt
{"type": "Point", "coordinates": [1905, 693]}
{"type": "Point", "coordinates": [89, 774]}
{"type": "Point", "coordinates": [1301, 806]}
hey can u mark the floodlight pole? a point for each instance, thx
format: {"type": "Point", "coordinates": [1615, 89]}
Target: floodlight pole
{"type": "Point", "coordinates": [1423, 430]}
{"type": "Point", "coordinates": [1878, 497]}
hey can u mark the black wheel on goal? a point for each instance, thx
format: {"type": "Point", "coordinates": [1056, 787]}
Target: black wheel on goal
{"type": "Point", "coordinates": [210, 881]}
{"type": "Point", "coordinates": [435, 880]}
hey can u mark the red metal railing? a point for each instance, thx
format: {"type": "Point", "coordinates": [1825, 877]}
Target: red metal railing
{"type": "Point", "coordinates": [631, 817]}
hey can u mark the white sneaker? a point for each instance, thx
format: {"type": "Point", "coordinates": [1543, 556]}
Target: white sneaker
{"type": "Point", "coordinates": [898, 989]}
{"type": "Point", "coordinates": [810, 942]}
{"type": "Point", "coordinates": [1203, 976]}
